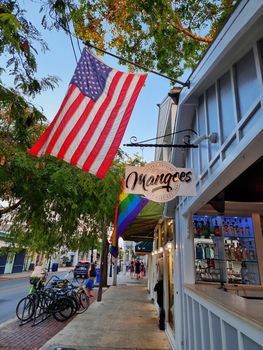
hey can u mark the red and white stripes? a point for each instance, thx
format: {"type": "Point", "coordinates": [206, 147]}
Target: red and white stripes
{"type": "Point", "coordinates": [88, 133]}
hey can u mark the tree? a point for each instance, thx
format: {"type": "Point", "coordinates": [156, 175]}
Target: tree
{"type": "Point", "coordinates": [55, 200]}
{"type": "Point", "coordinates": [164, 34]}
{"type": "Point", "coordinates": [20, 121]}
{"type": "Point", "coordinates": [18, 38]}
{"type": "Point", "coordinates": [51, 204]}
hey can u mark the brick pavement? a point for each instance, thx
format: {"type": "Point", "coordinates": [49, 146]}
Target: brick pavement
{"type": "Point", "coordinates": [13, 336]}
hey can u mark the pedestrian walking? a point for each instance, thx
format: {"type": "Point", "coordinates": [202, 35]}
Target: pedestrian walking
{"type": "Point", "coordinates": [159, 290]}
{"type": "Point", "coordinates": [89, 283]}
{"type": "Point", "coordinates": [137, 268]}
{"type": "Point", "coordinates": [131, 268]}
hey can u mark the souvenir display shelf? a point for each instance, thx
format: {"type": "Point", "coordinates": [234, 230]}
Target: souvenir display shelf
{"type": "Point", "coordinates": [225, 250]}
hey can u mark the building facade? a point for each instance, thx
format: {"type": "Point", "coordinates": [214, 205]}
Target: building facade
{"type": "Point", "coordinates": [218, 244]}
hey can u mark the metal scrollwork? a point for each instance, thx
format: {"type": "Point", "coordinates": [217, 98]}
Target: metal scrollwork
{"type": "Point", "coordinates": [133, 140]}
{"type": "Point", "coordinates": [186, 141]}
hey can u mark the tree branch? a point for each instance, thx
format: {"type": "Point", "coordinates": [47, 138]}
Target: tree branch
{"type": "Point", "coordinates": [192, 35]}
{"type": "Point", "coordinates": [12, 207]}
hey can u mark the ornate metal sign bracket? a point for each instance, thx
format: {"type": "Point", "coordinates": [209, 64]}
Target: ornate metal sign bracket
{"type": "Point", "coordinates": [186, 141]}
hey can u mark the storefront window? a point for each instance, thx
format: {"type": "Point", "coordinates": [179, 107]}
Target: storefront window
{"type": "Point", "coordinates": [225, 249]}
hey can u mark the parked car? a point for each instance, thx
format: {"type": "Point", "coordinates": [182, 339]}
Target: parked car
{"type": "Point", "coordinates": [81, 270]}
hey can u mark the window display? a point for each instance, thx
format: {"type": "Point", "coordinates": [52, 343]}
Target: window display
{"type": "Point", "coordinates": [225, 249]}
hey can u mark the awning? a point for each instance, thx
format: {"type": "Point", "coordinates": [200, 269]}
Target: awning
{"type": "Point", "coordinates": [142, 228]}
{"type": "Point", "coordinates": [144, 247]}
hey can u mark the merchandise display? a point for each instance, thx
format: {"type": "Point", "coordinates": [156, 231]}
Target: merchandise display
{"type": "Point", "coordinates": [225, 249]}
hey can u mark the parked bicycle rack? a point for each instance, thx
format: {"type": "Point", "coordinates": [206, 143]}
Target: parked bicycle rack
{"type": "Point", "coordinates": [59, 299]}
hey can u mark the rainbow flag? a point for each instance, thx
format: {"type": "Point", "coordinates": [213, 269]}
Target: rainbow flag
{"type": "Point", "coordinates": [128, 207]}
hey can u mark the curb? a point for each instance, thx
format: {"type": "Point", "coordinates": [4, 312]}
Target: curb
{"type": "Point", "coordinates": [6, 323]}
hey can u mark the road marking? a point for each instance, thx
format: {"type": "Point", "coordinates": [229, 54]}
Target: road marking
{"type": "Point", "coordinates": [4, 291]}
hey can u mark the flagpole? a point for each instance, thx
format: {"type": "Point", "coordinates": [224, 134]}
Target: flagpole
{"type": "Point", "coordinates": [187, 83]}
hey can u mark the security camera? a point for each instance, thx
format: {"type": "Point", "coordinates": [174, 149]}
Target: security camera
{"type": "Point", "coordinates": [213, 137]}
{"type": "Point", "coordinates": [199, 139]}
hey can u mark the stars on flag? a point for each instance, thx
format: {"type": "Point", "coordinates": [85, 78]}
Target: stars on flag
{"type": "Point", "coordinates": [90, 76]}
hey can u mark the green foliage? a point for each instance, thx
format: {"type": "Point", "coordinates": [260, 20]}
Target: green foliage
{"type": "Point", "coordinates": [19, 120]}
{"type": "Point", "coordinates": [52, 204]}
{"type": "Point", "coordinates": [59, 205]}
{"type": "Point", "coordinates": [18, 37]}
{"type": "Point", "coordinates": [4, 251]}
{"type": "Point", "coordinates": [57, 13]}
{"type": "Point", "coordinates": [167, 35]}
{"type": "Point", "coordinates": [65, 259]}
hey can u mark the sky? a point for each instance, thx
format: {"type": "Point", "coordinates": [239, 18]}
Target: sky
{"type": "Point", "coordinates": [60, 61]}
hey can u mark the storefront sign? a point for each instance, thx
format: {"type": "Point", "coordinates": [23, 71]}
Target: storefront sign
{"type": "Point", "coordinates": [160, 181]}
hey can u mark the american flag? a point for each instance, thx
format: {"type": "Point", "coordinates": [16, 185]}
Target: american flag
{"type": "Point", "coordinates": [91, 121]}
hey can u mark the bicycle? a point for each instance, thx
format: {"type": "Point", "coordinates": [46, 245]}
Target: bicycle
{"type": "Point", "coordinates": [77, 293]}
{"type": "Point", "coordinates": [26, 306]}
{"type": "Point", "coordinates": [58, 297]}
{"type": "Point", "coordinates": [41, 300]}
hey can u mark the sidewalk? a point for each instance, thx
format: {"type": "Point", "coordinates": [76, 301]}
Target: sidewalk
{"type": "Point", "coordinates": [124, 319]}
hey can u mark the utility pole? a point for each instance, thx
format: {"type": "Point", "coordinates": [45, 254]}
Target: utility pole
{"type": "Point", "coordinates": [91, 257]}
{"type": "Point", "coordinates": [103, 261]}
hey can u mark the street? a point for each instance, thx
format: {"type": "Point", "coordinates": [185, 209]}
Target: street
{"type": "Point", "coordinates": [11, 291]}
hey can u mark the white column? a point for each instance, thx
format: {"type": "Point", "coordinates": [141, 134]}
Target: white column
{"type": "Point", "coordinates": [183, 271]}
{"type": "Point", "coordinates": [76, 258]}
{"type": "Point", "coordinates": [150, 275]}
{"type": "Point", "coordinates": [124, 261]}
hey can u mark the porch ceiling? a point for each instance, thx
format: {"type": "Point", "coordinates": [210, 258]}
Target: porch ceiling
{"type": "Point", "coordinates": [247, 187]}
